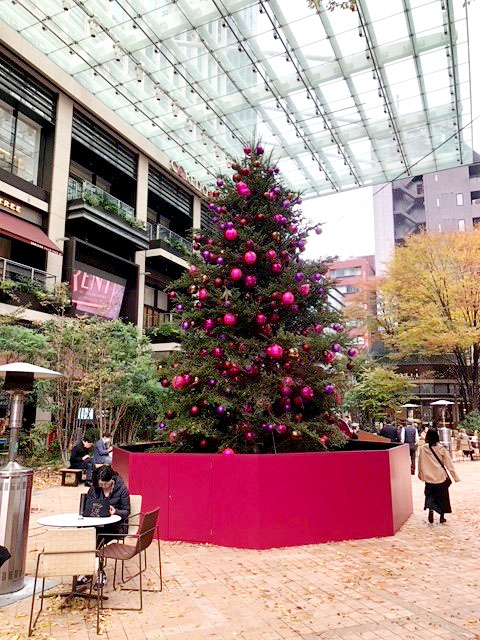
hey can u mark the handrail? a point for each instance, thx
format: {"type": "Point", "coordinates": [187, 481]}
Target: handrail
{"type": "Point", "coordinates": [11, 270]}
{"type": "Point", "coordinates": [157, 231]}
{"type": "Point", "coordinates": [78, 189]}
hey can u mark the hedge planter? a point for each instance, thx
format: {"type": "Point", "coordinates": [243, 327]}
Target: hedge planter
{"type": "Point", "coordinates": [265, 501]}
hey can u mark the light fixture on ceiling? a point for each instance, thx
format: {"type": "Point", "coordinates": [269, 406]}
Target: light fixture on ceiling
{"type": "Point", "coordinates": [139, 72]}
{"type": "Point", "coordinates": [217, 152]}
{"type": "Point", "coordinates": [118, 52]}
{"type": "Point", "coordinates": [67, 4]}
{"type": "Point", "coordinates": [191, 124]}
{"type": "Point", "coordinates": [158, 92]}
{"type": "Point", "coordinates": [93, 27]}
{"type": "Point", "coordinates": [204, 137]}
{"type": "Point", "coordinates": [175, 109]}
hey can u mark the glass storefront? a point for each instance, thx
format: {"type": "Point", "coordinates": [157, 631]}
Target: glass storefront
{"type": "Point", "coordinates": [19, 143]}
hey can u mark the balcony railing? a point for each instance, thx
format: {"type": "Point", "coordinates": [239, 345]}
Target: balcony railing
{"type": "Point", "coordinates": [154, 318]}
{"type": "Point", "coordinates": [157, 231]}
{"type": "Point", "coordinates": [98, 198]}
{"type": "Point", "coordinates": [16, 271]}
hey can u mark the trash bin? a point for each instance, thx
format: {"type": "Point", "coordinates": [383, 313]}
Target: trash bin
{"type": "Point", "coordinates": [15, 497]}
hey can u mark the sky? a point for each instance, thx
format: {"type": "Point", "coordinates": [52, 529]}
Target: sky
{"type": "Point", "coordinates": [347, 217]}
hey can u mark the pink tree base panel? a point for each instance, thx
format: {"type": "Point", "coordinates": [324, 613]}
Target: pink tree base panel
{"type": "Point", "coordinates": [267, 501]}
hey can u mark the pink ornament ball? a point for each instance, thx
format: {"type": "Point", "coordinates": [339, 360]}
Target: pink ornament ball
{"type": "Point", "coordinates": [261, 319]}
{"type": "Point", "coordinates": [274, 351]}
{"type": "Point", "coordinates": [304, 290]}
{"type": "Point", "coordinates": [330, 357]}
{"type": "Point", "coordinates": [250, 257]}
{"type": "Point", "coordinates": [193, 270]}
{"type": "Point", "coordinates": [236, 273]}
{"type": "Point", "coordinates": [231, 234]}
{"type": "Point", "coordinates": [217, 352]}
{"type": "Point", "coordinates": [318, 328]}
{"type": "Point", "coordinates": [172, 436]}
{"type": "Point", "coordinates": [281, 429]}
{"type": "Point", "coordinates": [271, 254]}
{"type": "Point", "coordinates": [250, 281]}
{"type": "Point", "coordinates": [288, 380]}
{"type": "Point", "coordinates": [249, 436]}
{"type": "Point", "coordinates": [229, 319]}
{"type": "Point", "coordinates": [286, 391]}
{"type": "Point", "coordinates": [323, 440]}
{"type": "Point", "coordinates": [203, 294]}
{"type": "Point", "coordinates": [307, 393]}
{"type": "Point", "coordinates": [228, 453]}
{"type": "Point", "coordinates": [277, 267]}
{"type": "Point", "coordinates": [178, 382]}
{"type": "Point", "coordinates": [247, 151]}
{"type": "Point", "coordinates": [288, 298]}
{"type": "Point", "coordinates": [208, 324]}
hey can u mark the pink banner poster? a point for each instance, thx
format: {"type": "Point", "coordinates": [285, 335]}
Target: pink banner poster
{"type": "Point", "coordinates": [95, 295]}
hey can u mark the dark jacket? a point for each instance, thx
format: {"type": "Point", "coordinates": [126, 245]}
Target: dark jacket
{"type": "Point", "coordinates": [77, 454]}
{"type": "Point", "coordinates": [100, 453]}
{"type": "Point", "coordinates": [389, 431]}
{"type": "Point", "coordinates": [119, 498]}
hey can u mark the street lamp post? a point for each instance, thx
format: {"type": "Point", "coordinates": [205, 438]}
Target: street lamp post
{"type": "Point", "coordinates": [16, 480]}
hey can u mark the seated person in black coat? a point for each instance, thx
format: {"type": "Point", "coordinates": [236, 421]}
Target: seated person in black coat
{"type": "Point", "coordinates": [109, 485]}
{"type": "Point", "coordinates": [80, 457]}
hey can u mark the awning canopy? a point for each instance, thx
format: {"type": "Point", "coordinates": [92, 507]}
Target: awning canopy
{"type": "Point", "coordinates": [343, 98]}
{"type": "Point", "coordinates": [26, 232]}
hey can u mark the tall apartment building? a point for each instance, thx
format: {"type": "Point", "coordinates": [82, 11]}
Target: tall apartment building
{"type": "Point", "coordinates": [85, 198]}
{"type": "Point", "coordinates": [349, 275]}
{"type": "Point", "coordinates": [443, 201]}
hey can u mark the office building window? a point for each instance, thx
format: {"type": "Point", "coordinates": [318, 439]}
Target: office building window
{"type": "Point", "coordinates": [461, 225]}
{"type": "Point", "coordinates": [347, 289]}
{"type": "Point", "coordinates": [19, 143]}
{"type": "Point", "coordinates": [438, 202]}
{"type": "Point", "coordinates": [342, 273]}
{"type": "Point", "coordinates": [459, 199]}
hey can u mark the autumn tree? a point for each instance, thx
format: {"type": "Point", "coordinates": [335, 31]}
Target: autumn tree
{"type": "Point", "coordinates": [430, 304]}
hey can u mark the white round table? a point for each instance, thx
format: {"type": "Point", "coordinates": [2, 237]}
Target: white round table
{"type": "Point", "coordinates": [75, 520]}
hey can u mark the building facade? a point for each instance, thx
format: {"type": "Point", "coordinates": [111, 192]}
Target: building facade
{"type": "Point", "coordinates": [447, 200]}
{"type": "Point", "coordinates": [86, 199]}
{"type": "Point", "coordinates": [349, 276]}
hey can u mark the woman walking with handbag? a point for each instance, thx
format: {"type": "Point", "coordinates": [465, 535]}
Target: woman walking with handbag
{"type": "Point", "coordinates": [434, 465]}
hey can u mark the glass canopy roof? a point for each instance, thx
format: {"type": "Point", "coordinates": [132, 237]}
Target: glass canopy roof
{"type": "Point", "coordinates": [343, 98]}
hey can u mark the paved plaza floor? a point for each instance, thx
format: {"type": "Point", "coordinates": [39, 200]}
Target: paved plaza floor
{"type": "Point", "coordinates": [424, 583]}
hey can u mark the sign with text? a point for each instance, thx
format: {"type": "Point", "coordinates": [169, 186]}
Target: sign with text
{"type": "Point", "coordinates": [95, 295]}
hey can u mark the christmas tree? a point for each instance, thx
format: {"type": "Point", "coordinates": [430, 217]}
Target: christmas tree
{"type": "Point", "coordinates": [264, 357]}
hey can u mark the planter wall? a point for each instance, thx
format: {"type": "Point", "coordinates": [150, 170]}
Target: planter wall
{"type": "Point", "coordinates": [265, 501]}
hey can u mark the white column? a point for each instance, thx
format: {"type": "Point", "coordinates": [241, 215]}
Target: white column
{"type": "Point", "coordinates": [141, 213]}
{"type": "Point", "coordinates": [58, 194]}
{"type": "Point", "coordinates": [197, 212]}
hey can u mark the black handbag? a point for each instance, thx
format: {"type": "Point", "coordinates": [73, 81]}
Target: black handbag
{"type": "Point", "coordinates": [96, 507]}
{"type": "Point", "coordinates": [448, 480]}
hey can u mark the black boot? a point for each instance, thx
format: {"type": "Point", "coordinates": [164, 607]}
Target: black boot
{"type": "Point", "coordinates": [442, 518]}
{"type": "Point", "coordinates": [430, 516]}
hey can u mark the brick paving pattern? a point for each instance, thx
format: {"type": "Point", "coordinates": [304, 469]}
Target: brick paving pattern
{"type": "Point", "coordinates": [422, 584]}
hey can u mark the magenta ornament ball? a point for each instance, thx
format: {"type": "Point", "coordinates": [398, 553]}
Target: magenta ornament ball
{"type": "Point", "coordinates": [288, 298]}
{"type": "Point", "coordinates": [286, 204]}
{"type": "Point", "coordinates": [271, 254]}
{"type": "Point", "coordinates": [250, 257]}
{"type": "Point", "coordinates": [281, 429]}
{"type": "Point", "coordinates": [208, 324]}
{"type": "Point", "coordinates": [277, 190]}
{"type": "Point", "coordinates": [336, 347]}
{"type": "Point", "coordinates": [178, 382]}
{"type": "Point", "coordinates": [259, 150]}
{"type": "Point", "coordinates": [250, 281]}
{"type": "Point", "coordinates": [230, 234]}
{"type": "Point", "coordinates": [286, 391]}
{"type": "Point", "coordinates": [203, 294]}
{"type": "Point", "coordinates": [229, 319]}
{"type": "Point", "coordinates": [278, 218]}
{"type": "Point", "coordinates": [329, 388]}
{"type": "Point", "coordinates": [198, 305]}
{"type": "Point", "coordinates": [193, 270]}
{"type": "Point", "coordinates": [249, 436]}
{"type": "Point", "coordinates": [261, 319]}
{"type": "Point", "coordinates": [247, 151]}
{"type": "Point", "coordinates": [304, 290]}
{"type": "Point", "coordinates": [318, 328]}
{"type": "Point", "coordinates": [307, 393]}
{"type": "Point", "coordinates": [274, 351]}
{"type": "Point", "coordinates": [172, 436]}
{"type": "Point", "coordinates": [277, 267]}
{"type": "Point", "coordinates": [228, 453]}
{"type": "Point", "coordinates": [236, 273]}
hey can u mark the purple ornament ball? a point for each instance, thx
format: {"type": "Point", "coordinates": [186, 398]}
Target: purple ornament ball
{"type": "Point", "coordinates": [329, 388]}
{"type": "Point", "coordinates": [220, 182]}
{"type": "Point", "coordinates": [220, 409]}
{"type": "Point", "coordinates": [185, 325]}
{"type": "Point", "coordinates": [219, 261]}
{"type": "Point", "coordinates": [336, 347]}
{"type": "Point", "coordinates": [211, 382]}
{"type": "Point", "coordinates": [229, 225]}
{"type": "Point", "coordinates": [299, 276]}
{"type": "Point", "coordinates": [318, 230]}
{"type": "Point", "coordinates": [259, 150]}
{"type": "Point", "coordinates": [286, 204]}
{"type": "Point", "coordinates": [352, 352]}
{"type": "Point", "coordinates": [277, 190]}
{"type": "Point", "coordinates": [180, 307]}
{"type": "Point", "coordinates": [211, 207]}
